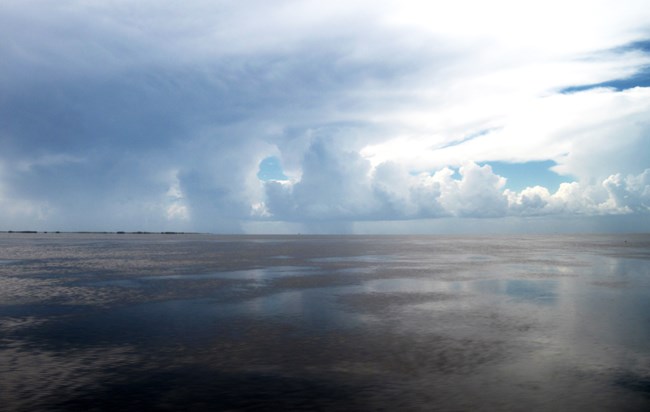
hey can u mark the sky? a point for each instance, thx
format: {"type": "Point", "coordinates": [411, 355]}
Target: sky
{"type": "Point", "coordinates": [294, 116]}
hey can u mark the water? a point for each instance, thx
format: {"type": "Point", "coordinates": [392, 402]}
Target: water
{"type": "Point", "coordinates": [197, 322]}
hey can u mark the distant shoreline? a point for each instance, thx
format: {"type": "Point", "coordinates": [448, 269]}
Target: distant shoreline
{"type": "Point", "coordinates": [317, 235]}
{"type": "Point", "coordinates": [120, 232]}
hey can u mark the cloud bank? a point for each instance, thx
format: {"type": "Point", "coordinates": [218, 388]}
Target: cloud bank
{"type": "Point", "coordinates": [158, 115]}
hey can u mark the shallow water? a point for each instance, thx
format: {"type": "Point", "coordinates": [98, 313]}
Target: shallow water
{"type": "Point", "coordinates": [197, 322]}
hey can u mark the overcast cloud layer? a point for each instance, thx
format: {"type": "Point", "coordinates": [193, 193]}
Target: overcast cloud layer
{"type": "Point", "coordinates": [156, 115]}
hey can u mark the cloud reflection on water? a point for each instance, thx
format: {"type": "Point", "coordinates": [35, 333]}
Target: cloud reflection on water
{"type": "Point", "coordinates": [392, 320]}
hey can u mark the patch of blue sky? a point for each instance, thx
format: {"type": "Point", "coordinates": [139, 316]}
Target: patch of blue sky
{"type": "Point", "coordinates": [522, 175]}
{"type": "Point", "coordinates": [271, 169]}
{"type": "Point", "coordinates": [640, 79]}
{"type": "Point", "coordinates": [642, 45]}
{"type": "Point", "coordinates": [467, 138]}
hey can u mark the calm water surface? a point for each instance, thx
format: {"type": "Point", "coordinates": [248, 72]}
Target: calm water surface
{"type": "Point", "coordinates": [197, 322]}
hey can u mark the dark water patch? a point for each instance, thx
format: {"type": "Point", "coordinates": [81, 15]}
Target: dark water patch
{"type": "Point", "coordinates": [190, 321]}
{"type": "Point", "coordinates": [199, 389]}
{"type": "Point", "coordinates": [634, 382]}
{"type": "Point", "coordinates": [42, 310]}
{"type": "Point", "coordinates": [36, 380]}
{"type": "Point", "coordinates": [142, 324]}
